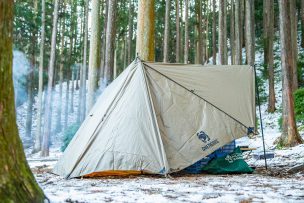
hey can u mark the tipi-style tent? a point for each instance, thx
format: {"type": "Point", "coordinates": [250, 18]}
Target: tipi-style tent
{"type": "Point", "coordinates": [161, 118]}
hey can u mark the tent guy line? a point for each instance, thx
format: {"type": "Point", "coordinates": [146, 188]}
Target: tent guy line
{"type": "Point", "coordinates": [193, 92]}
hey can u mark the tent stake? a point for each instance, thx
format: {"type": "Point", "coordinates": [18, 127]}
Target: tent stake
{"type": "Point", "coordinates": [261, 121]}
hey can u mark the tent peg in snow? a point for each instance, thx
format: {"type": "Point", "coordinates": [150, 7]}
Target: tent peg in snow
{"type": "Point", "coordinates": [160, 118]}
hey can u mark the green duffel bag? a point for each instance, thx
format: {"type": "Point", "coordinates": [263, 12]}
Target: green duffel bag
{"type": "Point", "coordinates": [231, 163]}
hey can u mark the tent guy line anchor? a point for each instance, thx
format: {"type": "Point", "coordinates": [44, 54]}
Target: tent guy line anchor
{"type": "Point", "coordinates": [260, 114]}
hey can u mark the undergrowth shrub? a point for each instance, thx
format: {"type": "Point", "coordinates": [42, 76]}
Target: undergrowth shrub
{"type": "Point", "coordinates": [299, 105]}
{"type": "Point", "coordinates": [68, 134]}
{"type": "Point", "coordinates": [298, 108]}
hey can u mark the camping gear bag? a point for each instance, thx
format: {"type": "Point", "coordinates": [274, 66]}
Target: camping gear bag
{"type": "Point", "coordinates": [231, 163]}
{"type": "Point", "coordinates": [196, 168]}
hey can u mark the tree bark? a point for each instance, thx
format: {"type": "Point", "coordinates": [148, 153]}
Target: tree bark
{"type": "Point", "coordinates": [61, 66]}
{"type": "Point", "coordinates": [80, 99]}
{"type": "Point", "coordinates": [290, 135]}
{"type": "Point", "coordinates": [17, 181]}
{"type": "Point", "coordinates": [130, 32]}
{"type": "Point", "coordinates": [30, 80]}
{"type": "Point", "coordinates": [294, 44]}
{"type": "Point", "coordinates": [167, 30]}
{"type": "Point", "coordinates": [232, 33]}
{"type": "Point", "coordinates": [37, 143]}
{"type": "Point", "coordinates": [302, 23]}
{"type": "Point", "coordinates": [177, 46]}
{"type": "Point", "coordinates": [125, 50]}
{"type": "Point", "coordinates": [67, 99]}
{"type": "Point", "coordinates": [249, 24]}
{"type": "Point", "coordinates": [242, 19]}
{"type": "Point", "coordinates": [110, 42]}
{"type": "Point", "coordinates": [48, 113]}
{"type": "Point", "coordinates": [186, 49]}
{"type": "Point", "coordinates": [206, 43]}
{"type": "Point", "coordinates": [72, 90]}
{"type": "Point", "coordinates": [268, 7]}
{"type": "Point", "coordinates": [82, 106]}
{"type": "Point", "coordinates": [222, 32]}
{"type": "Point", "coordinates": [181, 32]}
{"type": "Point", "coordinates": [238, 31]}
{"type": "Point", "coordinates": [214, 32]}
{"type": "Point", "coordinates": [94, 54]}
{"type": "Point", "coordinates": [145, 30]}
{"type": "Point", "coordinates": [200, 54]}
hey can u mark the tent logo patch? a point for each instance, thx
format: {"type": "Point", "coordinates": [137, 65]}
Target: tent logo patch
{"type": "Point", "coordinates": [203, 136]}
{"type": "Point", "coordinates": [206, 139]}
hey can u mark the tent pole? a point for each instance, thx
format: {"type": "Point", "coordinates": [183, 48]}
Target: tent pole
{"type": "Point", "coordinates": [261, 121]}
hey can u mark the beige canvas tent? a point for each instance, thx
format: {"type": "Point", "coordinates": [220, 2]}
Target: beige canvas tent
{"type": "Point", "coordinates": [160, 118]}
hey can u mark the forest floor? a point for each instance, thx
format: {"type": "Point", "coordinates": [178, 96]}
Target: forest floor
{"type": "Point", "coordinates": [273, 185]}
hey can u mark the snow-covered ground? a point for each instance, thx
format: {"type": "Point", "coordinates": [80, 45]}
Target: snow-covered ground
{"type": "Point", "coordinates": [186, 188]}
{"type": "Point", "coordinates": [274, 185]}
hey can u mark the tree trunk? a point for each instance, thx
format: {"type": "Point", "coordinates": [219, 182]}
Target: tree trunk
{"type": "Point", "coordinates": [222, 32]}
{"type": "Point", "coordinates": [167, 30]}
{"type": "Point", "coordinates": [130, 32]}
{"type": "Point", "coordinates": [103, 47]}
{"type": "Point", "coordinates": [232, 33]}
{"type": "Point", "coordinates": [125, 50]}
{"type": "Point", "coordinates": [199, 53]}
{"type": "Point", "coordinates": [61, 66]}
{"type": "Point", "coordinates": [67, 99]}
{"type": "Point", "coordinates": [72, 90]}
{"type": "Point", "coordinates": [30, 93]}
{"type": "Point", "coordinates": [294, 45]}
{"type": "Point", "coordinates": [77, 78]}
{"type": "Point", "coordinates": [145, 30]}
{"type": "Point", "coordinates": [17, 181]}
{"type": "Point", "coordinates": [290, 135]}
{"type": "Point", "coordinates": [268, 6]}
{"type": "Point", "coordinates": [242, 17]}
{"type": "Point", "coordinates": [110, 42]}
{"type": "Point", "coordinates": [214, 32]}
{"type": "Point", "coordinates": [186, 52]}
{"type": "Point", "coordinates": [238, 31]}
{"type": "Point", "coordinates": [302, 23]}
{"type": "Point", "coordinates": [177, 48]}
{"type": "Point", "coordinates": [48, 113]}
{"type": "Point", "coordinates": [181, 32]}
{"type": "Point", "coordinates": [206, 34]}
{"type": "Point", "coordinates": [94, 54]}
{"type": "Point", "coordinates": [249, 24]}
{"type": "Point", "coordinates": [80, 99]}
{"type": "Point", "coordinates": [82, 106]}
{"type": "Point", "coordinates": [30, 81]}
{"type": "Point", "coordinates": [37, 143]}
{"type": "Point", "coordinates": [115, 62]}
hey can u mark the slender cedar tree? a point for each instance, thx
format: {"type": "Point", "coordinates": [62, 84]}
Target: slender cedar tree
{"type": "Point", "coordinates": [186, 48]}
{"type": "Point", "coordinates": [178, 41]}
{"type": "Point", "coordinates": [249, 34]}
{"type": "Point", "coordinates": [214, 32]}
{"type": "Point", "coordinates": [48, 113]}
{"type": "Point", "coordinates": [290, 135]}
{"type": "Point", "coordinates": [110, 42]}
{"type": "Point", "coordinates": [166, 31]}
{"type": "Point", "coordinates": [37, 143]}
{"type": "Point", "coordinates": [94, 53]}
{"type": "Point", "coordinates": [222, 32]}
{"type": "Point", "coordinates": [268, 21]}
